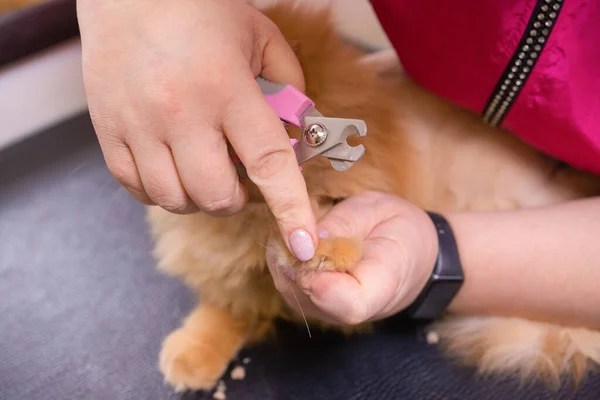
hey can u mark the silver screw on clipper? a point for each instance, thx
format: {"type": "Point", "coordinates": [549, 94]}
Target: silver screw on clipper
{"type": "Point", "coordinates": [315, 135]}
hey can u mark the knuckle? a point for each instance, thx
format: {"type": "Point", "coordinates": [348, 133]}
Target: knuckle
{"type": "Point", "coordinates": [123, 173]}
{"type": "Point", "coordinates": [218, 205]}
{"type": "Point", "coordinates": [176, 206]}
{"type": "Point", "coordinates": [167, 196]}
{"type": "Point", "coordinates": [130, 182]}
{"type": "Point", "coordinates": [139, 193]}
{"type": "Point", "coordinates": [227, 203]}
{"type": "Point", "coordinates": [268, 165]}
{"type": "Point", "coordinates": [282, 207]}
{"type": "Point", "coordinates": [173, 203]}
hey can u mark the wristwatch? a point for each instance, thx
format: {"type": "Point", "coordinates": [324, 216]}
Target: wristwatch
{"type": "Point", "coordinates": [446, 279]}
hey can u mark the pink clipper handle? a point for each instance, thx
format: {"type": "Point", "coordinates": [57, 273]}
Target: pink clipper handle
{"type": "Point", "coordinates": [288, 102]}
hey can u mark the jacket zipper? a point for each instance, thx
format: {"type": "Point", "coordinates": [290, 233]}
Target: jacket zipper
{"type": "Point", "coordinates": [540, 25]}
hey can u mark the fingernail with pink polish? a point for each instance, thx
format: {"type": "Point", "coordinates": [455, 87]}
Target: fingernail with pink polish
{"type": "Point", "coordinates": [293, 142]}
{"type": "Point", "coordinates": [302, 245]}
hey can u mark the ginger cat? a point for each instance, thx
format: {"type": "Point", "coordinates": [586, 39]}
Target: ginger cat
{"type": "Point", "coordinates": [418, 147]}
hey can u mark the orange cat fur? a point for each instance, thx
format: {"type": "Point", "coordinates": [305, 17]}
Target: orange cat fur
{"type": "Point", "coordinates": [418, 147]}
{"type": "Point", "coordinates": [7, 6]}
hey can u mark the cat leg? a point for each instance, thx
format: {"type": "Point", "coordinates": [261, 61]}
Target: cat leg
{"type": "Point", "coordinates": [196, 355]}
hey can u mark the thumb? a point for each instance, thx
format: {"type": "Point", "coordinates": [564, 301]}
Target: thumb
{"type": "Point", "coordinates": [359, 215]}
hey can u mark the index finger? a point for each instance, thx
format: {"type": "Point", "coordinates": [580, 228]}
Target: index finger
{"type": "Point", "coordinates": [262, 144]}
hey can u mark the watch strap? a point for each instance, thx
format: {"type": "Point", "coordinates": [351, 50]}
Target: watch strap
{"type": "Point", "coordinates": [447, 276]}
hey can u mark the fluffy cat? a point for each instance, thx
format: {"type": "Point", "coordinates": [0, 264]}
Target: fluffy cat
{"type": "Point", "coordinates": [418, 147]}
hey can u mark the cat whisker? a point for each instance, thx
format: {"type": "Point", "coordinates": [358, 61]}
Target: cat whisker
{"type": "Point", "coordinates": [294, 294]}
{"type": "Point", "coordinates": [265, 246]}
{"type": "Point", "coordinates": [303, 316]}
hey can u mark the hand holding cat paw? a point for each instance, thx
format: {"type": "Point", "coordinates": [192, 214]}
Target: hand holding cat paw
{"type": "Point", "coordinates": [398, 247]}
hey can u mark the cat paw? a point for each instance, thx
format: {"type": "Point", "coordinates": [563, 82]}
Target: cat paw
{"type": "Point", "coordinates": [333, 254]}
{"type": "Point", "coordinates": [187, 363]}
{"type": "Point", "coordinates": [336, 254]}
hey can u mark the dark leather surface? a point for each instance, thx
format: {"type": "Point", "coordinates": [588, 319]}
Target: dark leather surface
{"type": "Point", "coordinates": [83, 310]}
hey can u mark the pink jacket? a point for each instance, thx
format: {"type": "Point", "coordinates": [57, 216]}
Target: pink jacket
{"type": "Point", "coordinates": [531, 66]}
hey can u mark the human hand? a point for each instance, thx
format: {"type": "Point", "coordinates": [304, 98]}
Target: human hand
{"type": "Point", "coordinates": [170, 83]}
{"type": "Point", "coordinates": [399, 249]}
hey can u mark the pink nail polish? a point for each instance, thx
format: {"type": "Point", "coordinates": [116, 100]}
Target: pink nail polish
{"type": "Point", "coordinates": [302, 245]}
{"type": "Point", "coordinates": [293, 142]}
